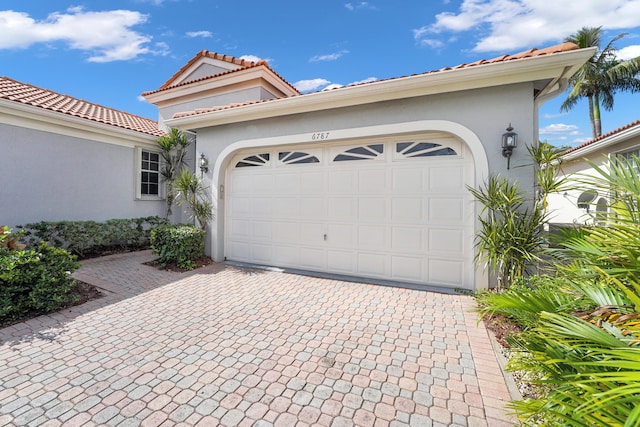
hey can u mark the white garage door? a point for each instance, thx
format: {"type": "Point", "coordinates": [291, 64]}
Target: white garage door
{"type": "Point", "coordinates": [386, 209]}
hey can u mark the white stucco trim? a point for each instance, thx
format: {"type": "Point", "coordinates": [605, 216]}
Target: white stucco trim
{"type": "Point", "coordinates": [27, 116]}
{"type": "Point", "coordinates": [481, 164]}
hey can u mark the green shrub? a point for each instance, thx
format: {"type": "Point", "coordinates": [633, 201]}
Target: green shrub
{"type": "Point", "coordinates": [86, 238]}
{"type": "Point", "coordinates": [181, 244]}
{"type": "Point", "coordinates": [34, 280]}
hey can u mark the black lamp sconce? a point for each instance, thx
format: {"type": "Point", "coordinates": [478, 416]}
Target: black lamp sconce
{"type": "Point", "coordinates": [509, 142]}
{"type": "Point", "coordinates": [204, 165]}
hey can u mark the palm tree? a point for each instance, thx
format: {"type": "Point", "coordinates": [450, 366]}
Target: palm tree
{"type": "Point", "coordinates": [601, 77]}
{"type": "Point", "coordinates": [173, 148]}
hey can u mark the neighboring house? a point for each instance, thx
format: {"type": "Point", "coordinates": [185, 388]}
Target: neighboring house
{"type": "Point", "coordinates": [580, 205]}
{"type": "Point", "coordinates": [62, 158]}
{"type": "Point", "coordinates": [368, 180]}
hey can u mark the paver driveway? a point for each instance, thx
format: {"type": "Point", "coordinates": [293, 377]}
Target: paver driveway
{"type": "Point", "coordinates": [239, 347]}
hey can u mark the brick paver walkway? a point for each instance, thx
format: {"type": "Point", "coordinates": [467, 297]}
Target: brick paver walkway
{"type": "Point", "coordinates": [233, 347]}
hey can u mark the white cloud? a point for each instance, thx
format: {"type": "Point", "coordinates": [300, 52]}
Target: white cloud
{"type": "Point", "coordinates": [548, 116]}
{"type": "Point", "coordinates": [254, 58]}
{"type": "Point", "coordinates": [629, 52]}
{"type": "Point", "coordinates": [333, 86]}
{"type": "Point", "coordinates": [505, 25]}
{"type": "Point", "coordinates": [559, 129]}
{"type": "Point", "coordinates": [360, 5]}
{"type": "Point", "coordinates": [204, 34]}
{"type": "Point", "coordinates": [328, 57]}
{"type": "Point", "coordinates": [308, 85]}
{"type": "Point", "coordinates": [367, 80]}
{"type": "Point", "coordinates": [107, 36]}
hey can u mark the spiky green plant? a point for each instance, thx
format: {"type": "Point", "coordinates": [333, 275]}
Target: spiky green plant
{"type": "Point", "coordinates": [510, 234]}
{"type": "Point", "coordinates": [173, 150]}
{"type": "Point", "coordinates": [191, 192]}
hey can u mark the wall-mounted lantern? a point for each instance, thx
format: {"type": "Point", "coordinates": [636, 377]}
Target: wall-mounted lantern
{"type": "Point", "coordinates": [204, 165]}
{"type": "Point", "coordinates": [509, 142]}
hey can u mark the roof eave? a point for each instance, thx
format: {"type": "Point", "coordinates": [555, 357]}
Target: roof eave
{"type": "Point", "coordinates": [472, 77]}
{"type": "Point", "coordinates": [16, 113]}
{"type": "Point", "coordinates": [616, 138]}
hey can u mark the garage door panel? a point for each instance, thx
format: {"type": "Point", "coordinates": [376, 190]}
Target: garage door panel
{"type": "Point", "coordinates": [239, 251]}
{"type": "Point", "coordinates": [341, 235]}
{"type": "Point", "coordinates": [286, 207]}
{"type": "Point", "coordinates": [260, 253]}
{"type": "Point", "coordinates": [286, 184]}
{"type": "Point", "coordinates": [312, 208]}
{"type": "Point", "coordinates": [311, 182]}
{"type": "Point", "coordinates": [341, 261]}
{"type": "Point", "coordinates": [407, 239]}
{"type": "Point", "coordinates": [446, 240]}
{"type": "Point", "coordinates": [445, 272]}
{"type": "Point", "coordinates": [407, 268]}
{"type": "Point", "coordinates": [312, 258]}
{"type": "Point", "coordinates": [449, 210]}
{"type": "Point", "coordinates": [372, 181]}
{"type": "Point", "coordinates": [407, 210]}
{"type": "Point", "coordinates": [286, 231]}
{"type": "Point", "coordinates": [286, 256]}
{"type": "Point", "coordinates": [447, 179]}
{"type": "Point", "coordinates": [342, 209]}
{"type": "Point", "coordinates": [261, 207]}
{"type": "Point", "coordinates": [372, 209]}
{"type": "Point", "coordinates": [407, 181]}
{"type": "Point", "coordinates": [373, 264]}
{"type": "Point", "coordinates": [342, 181]}
{"type": "Point", "coordinates": [372, 237]}
{"type": "Point", "coordinates": [239, 228]}
{"type": "Point", "coordinates": [262, 231]}
{"type": "Point", "coordinates": [312, 233]}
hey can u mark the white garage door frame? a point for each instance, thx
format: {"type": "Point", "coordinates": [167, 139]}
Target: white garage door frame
{"type": "Point", "coordinates": [462, 133]}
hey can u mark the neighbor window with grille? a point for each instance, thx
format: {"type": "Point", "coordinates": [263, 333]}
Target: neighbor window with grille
{"type": "Point", "coordinates": [629, 157]}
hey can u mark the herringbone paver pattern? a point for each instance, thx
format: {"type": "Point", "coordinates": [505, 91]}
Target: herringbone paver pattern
{"type": "Point", "coordinates": [232, 347]}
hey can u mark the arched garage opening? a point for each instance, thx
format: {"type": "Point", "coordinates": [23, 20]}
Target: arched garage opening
{"type": "Point", "coordinates": [390, 207]}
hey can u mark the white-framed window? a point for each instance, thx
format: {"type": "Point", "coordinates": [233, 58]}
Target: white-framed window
{"type": "Point", "coordinates": [149, 181]}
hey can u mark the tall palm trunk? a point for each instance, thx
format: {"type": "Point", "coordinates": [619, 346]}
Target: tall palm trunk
{"type": "Point", "coordinates": [592, 119]}
{"type": "Point", "coordinates": [596, 116]}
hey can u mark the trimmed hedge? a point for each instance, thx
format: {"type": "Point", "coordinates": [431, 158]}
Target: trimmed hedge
{"type": "Point", "coordinates": [86, 238]}
{"type": "Point", "coordinates": [181, 244]}
{"type": "Point", "coordinates": [34, 280]}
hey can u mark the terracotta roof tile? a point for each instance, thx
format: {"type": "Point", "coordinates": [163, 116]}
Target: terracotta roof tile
{"type": "Point", "coordinates": [563, 47]}
{"type": "Point", "coordinates": [244, 65]}
{"type": "Point", "coordinates": [24, 93]}
{"type": "Point", "coordinates": [604, 136]}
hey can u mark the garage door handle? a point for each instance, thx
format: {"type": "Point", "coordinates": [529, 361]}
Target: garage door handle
{"type": "Point", "coordinates": [325, 237]}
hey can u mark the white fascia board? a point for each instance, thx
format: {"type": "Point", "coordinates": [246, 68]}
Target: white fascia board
{"type": "Point", "coordinates": [481, 76]}
{"type": "Point", "coordinates": [27, 116]}
{"type": "Point", "coordinates": [219, 83]}
{"type": "Point", "coordinates": [603, 143]}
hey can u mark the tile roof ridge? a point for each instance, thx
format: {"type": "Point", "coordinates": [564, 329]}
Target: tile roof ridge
{"type": "Point", "coordinates": [603, 136]}
{"type": "Point", "coordinates": [244, 63]}
{"type": "Point", "coordinates": [260, 63]}
{"type": "Point", "coordinates": [35, 96]}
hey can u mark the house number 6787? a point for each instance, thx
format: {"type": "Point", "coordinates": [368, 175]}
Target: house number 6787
{"type": "Point", "coordinates": [319, 136]}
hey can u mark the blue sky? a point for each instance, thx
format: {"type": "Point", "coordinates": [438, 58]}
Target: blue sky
{"type": "Point", "coordinates": [109, 52]}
